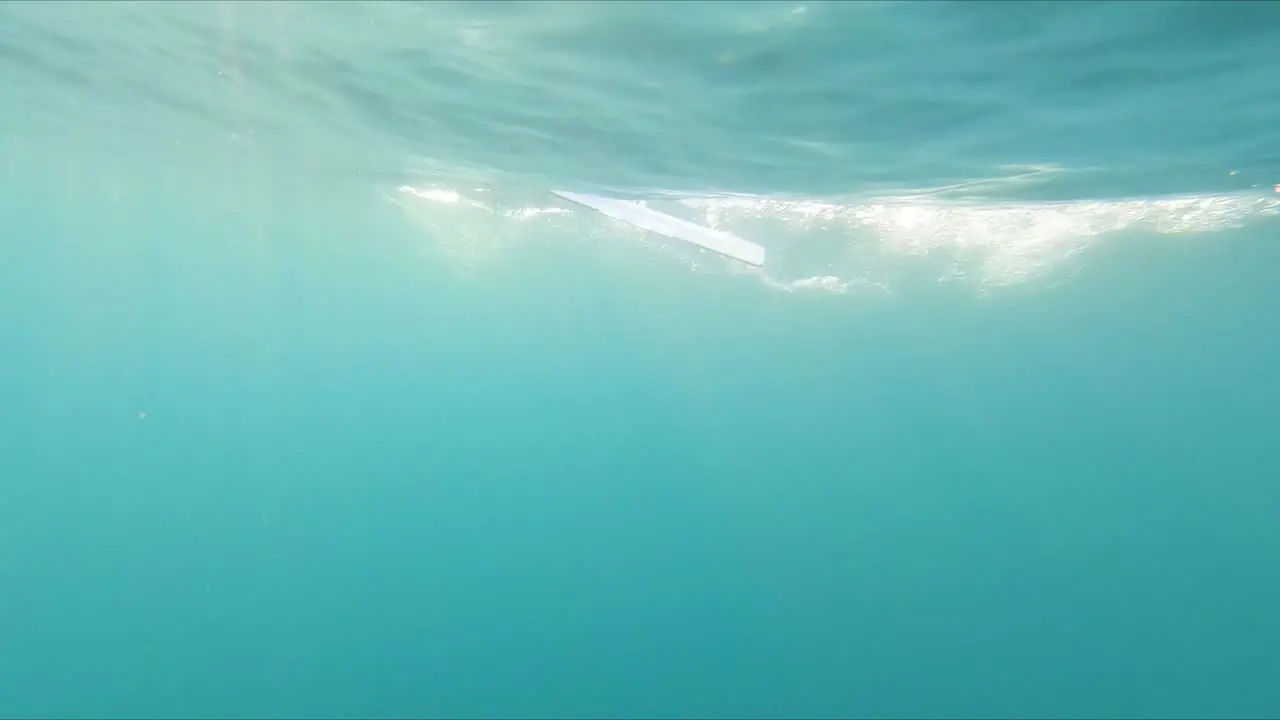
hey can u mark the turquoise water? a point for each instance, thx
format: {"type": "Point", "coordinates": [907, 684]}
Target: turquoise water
{"type": "Point", "coordinates": [314, 401]}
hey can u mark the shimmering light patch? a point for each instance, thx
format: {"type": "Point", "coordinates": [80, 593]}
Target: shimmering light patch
{"type": "Point", "coordinates": [857, 244]}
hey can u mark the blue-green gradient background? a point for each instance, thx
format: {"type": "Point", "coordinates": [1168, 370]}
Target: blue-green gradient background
{"type": "Point", "coordinates": [277, 442]}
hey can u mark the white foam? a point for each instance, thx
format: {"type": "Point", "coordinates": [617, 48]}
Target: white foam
{"type": "Point", "coordinates": [853, 245]}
